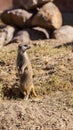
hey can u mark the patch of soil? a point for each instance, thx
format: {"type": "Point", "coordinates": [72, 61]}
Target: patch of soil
{"type": "Point", "coordinates": [48, 113]}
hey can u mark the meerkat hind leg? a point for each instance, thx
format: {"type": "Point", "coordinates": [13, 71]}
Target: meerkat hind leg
{"type": "Point", "coordinates": [33, 91]}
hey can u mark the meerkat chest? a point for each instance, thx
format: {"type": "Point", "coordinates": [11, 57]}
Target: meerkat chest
{"type": "Point", "coordinates": [21, 61]}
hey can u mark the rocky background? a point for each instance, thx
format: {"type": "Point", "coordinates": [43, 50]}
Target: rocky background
{"type": "Point", "coordinates": [33, 21]}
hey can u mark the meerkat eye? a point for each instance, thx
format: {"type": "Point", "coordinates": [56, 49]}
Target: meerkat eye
{"type": "Point", "coordinates": [26, 45]}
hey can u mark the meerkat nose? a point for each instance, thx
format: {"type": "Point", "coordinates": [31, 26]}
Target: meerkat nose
{"type": "Point", "coordinates": [20, 46]}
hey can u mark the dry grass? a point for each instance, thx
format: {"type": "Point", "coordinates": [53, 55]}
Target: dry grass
{"type": "Point", "coordinates": [52, 67]}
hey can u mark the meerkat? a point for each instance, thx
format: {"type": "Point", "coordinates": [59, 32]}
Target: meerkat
{"type": "Point", "coordinates": [25, 71]}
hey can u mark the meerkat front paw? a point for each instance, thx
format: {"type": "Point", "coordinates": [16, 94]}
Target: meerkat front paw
{"type": "Point", "coordinates": [24, 69]}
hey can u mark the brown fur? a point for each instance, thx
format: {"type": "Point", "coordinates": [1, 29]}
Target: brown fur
{"type": "Point", "coordinates": [25, 71]}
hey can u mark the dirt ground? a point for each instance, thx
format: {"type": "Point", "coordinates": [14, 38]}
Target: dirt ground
{"type": "Point", "coordinates": [49, 113]}
{"type": "Point", "coordinates": [52, 63]}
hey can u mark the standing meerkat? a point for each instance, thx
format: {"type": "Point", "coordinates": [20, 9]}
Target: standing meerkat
{"type": "Point", "coordinates": [25, 71]}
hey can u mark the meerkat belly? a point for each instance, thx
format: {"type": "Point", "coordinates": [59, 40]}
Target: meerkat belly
{"type": "Point", "coordinates": [26, 81]}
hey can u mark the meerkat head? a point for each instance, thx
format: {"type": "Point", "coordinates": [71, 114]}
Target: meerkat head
{"type": "Point", "coordinates": [23, 47]}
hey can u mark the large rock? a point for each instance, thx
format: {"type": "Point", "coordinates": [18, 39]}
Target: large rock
{"type": "Point", "coordinates": [65, 33]}
{"type": "Point", "coordinates": [16, 17]}
{"type": "Point", "coordinates": [30, 34]}
{"type": "Point", "coordinates": [6, 35]}
{"type": "Point", "coordinates": [32, 3]}
{"type": "Point", "coordinates": [9, 30]}
{"type": "Point", "coordinates": [21, 36]}
{"type": "Point", "coordinates": [48, 16]}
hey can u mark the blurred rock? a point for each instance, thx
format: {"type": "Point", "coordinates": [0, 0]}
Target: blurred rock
{"type": "Point", "coordinates": [31, 34]}
{"type": "Point", "coordinates": [6, 35]}
{"type": "Point", "coordinates": [21, 36]}
{"type": "Point", "coordinates": [65, 33]}
{"type": "Point", "coordinates": [16, 17]}
{"type": "Point", "coordinates": [32, 3]}
{"type": "Point", "coordinates": [9, 30]}
{"type": "Point", "coordinates": [48, 16]}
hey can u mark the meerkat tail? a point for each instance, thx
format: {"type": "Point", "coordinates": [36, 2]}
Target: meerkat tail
{"type": "Point", "coordinates": [33, 91]}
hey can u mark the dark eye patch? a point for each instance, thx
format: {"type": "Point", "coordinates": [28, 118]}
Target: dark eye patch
{"type": "Point", "coordinates": [26, 45]}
